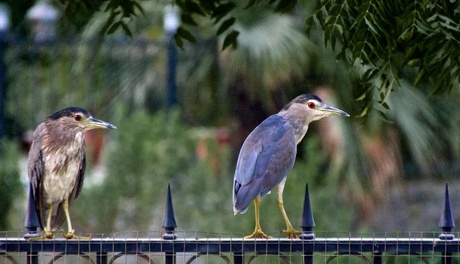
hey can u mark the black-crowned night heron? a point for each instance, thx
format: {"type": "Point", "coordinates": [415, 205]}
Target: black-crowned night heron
{"type": "Point", "coordinates": [57, 165]}
{"type": "Point", "coordinates": [269, 152]}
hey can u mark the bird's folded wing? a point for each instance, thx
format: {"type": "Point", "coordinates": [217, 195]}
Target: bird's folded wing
{"type": "Point", "coordinates": [265, 158]}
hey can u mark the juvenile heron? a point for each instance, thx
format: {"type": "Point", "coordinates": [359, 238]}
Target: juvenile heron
{"type": "Point", "coordinates": [269, 152]}
{"type": "Point", "coordinates": [57, 165]}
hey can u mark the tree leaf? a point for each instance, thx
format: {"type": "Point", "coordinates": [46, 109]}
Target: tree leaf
{"type": "Point", "coordinates": [223, 9]}
{"type": "Point", "coordinates": [231, 40]}
{"type": "Point", "coordinates": [113, 28]}
{"type": "Point", "coordinates": [250, 4]}
{"type": "Point", "coordinates": [284, 6]}
{"type": "Point", "coordinates": [178, 40]}
{"type": "Point", "coordinates": [126, 30]}
{"type": "Point", "coordinates": [208, 5]}
{"type": "Point", "coordinates": [139, 7]}
{"type": "Point", "coordinates": [188, 19]}
{"type": "Point", "coordinates": [185, 34]}
{"type": "Point", "coordinates": [384, 117]}
{"type": "Point", "coordinates": [193, 7]}
{"type": "Point", "coordinates": [225, 25]}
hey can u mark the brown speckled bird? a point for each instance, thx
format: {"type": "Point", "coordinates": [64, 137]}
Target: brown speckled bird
{"type": "Point", "coordinates": [57, 165]}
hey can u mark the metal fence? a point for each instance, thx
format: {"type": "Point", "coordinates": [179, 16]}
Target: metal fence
{"type": "Point", "coordinates": [171, 246]}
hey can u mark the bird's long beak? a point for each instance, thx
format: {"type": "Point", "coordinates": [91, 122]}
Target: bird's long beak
{"type": "Point", "coordinates": [333, 111]}
{"type": "Point", "coordinates": [96, 123]}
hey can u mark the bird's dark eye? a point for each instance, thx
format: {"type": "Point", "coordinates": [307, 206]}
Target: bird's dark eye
{"type": "Point", "coordinates": [311, 105]}
{"type": "Point", "coordinates": [77, 118]}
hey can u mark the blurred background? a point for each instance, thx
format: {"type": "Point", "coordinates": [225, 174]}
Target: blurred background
{"type": "Point", "coordinates": [183, 113]}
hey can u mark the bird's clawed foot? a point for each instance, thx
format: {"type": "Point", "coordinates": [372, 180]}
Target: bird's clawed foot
{"type": "Point", "coordinates": [70, 235]}
{"type": "Point", "coordinates": [291, 232]}
{"type": "Point", "coordinates": [258, 233]}
{"type": "Point", "coordinates": [46, 235]}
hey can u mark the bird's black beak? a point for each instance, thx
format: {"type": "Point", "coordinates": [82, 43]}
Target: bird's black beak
{"type": "Point", "coordinates": [333, 111]}
{"type": "Point", "coordinates": [96, 123]}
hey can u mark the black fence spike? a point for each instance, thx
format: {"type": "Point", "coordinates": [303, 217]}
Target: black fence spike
{"type": "Point", "coordinates": [169, 220]}
{"type": "Point", "coordinates": [447, 220]}
{"type": "Point", "coordinates": [308, 222]}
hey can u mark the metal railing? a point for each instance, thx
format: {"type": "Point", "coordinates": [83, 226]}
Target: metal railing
{"type": "Point", "coordinates": [231, 250]}
{"type": "Point", "coordinates": [171, 247]}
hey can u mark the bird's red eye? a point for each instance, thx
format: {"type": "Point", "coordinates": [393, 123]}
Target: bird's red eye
{"type": "Point", "coordinates": [77, 118]}
{"type": "Point", "coordinates": [311, 105]}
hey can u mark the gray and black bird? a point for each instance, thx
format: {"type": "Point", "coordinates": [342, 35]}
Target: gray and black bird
{"type": "Point", "coordinates": [269, 152]}
{"type": "Point", "coordinates": [57, 161]}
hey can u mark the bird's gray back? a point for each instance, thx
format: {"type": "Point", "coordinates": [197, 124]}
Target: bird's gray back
{"type": "Point", "coordinates": [265, 158]}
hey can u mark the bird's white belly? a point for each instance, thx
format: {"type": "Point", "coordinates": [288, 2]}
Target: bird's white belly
{"type": "Point", "coordinates": [58, 187]}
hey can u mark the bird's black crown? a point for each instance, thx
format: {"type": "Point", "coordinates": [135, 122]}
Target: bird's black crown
{"type": "Point", "coordinates": [301, 99]}
{"type": "Point", "coordinates": [69, 111]}
{"type": "Point", "coordinates": [305, 97]}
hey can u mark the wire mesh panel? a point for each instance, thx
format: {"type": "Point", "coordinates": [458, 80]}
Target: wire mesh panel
{"type": "Point", "coordinates": [191, 247]}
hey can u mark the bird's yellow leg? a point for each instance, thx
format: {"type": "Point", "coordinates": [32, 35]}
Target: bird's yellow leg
{"type": "Point", "coordinates": [290, 232]}
{"type": "Point", "coordinates": [47, 233]}
{"type": "Point", "coordinates": [258, 233]}
{"type": "Point", "coordinates": [70, 230]}
{"type": "Point", "coordinates": [47, 230]}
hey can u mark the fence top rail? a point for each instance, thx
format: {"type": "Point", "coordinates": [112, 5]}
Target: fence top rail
{"type": "Point", "coordinates": [234, 240]}
{"type": "Point", "coordinates": [233, 245]}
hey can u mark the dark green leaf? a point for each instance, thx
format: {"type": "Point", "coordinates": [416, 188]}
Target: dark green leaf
{"type": "Point", "coordinates": [110, 5]}
{"type": "Point", "coordinates": [371, 26]}
{"type": "Point", "coordinates": [363, 94]}
{"type": "Point", "coordinates": [385, 105]}
{"type": "Point", "coordinates": [363, 112]}
{"type": "Point", "coordinates": [384, 117]}
{"type": "Point", "coordinates": [218, 18]}
{"type": "Point", "coordinates": [231, 40]}
{"type": "Point", "coordinates": [139, 7]}
{"type": "Point", "coordinates": [113, 28]}
{"type": "Point", "coordinates": [127, 8]}
{"type": "Point", "coordinates": [309, 23]}
{"type": "Point", "coordinates": [369, 74]}
{"type": "Point", "coordinates": [126, 30]}
{"type": "Point", "coordinates": [193, 7]}
{"type": "Point", "coordinates": [335, 10]}
{"type": "Point", "coordinates": [108, 23]}
{"type": "Point", "coordinates": [188, 19]}
{"type": "Point", "coordinates": [249, 4]}
{"type": "Point", "coordinates": [185, 34]}
{"type": "Point", "coordinates": [208, 5]}
{"type": "Point", "coordinates": [181, 5]}
{"type": "Point", "coordinates": [225, 25]}
{"type": "Point", "coordinates": [223, 9]}
{"type": "Point", "coordinates": [284, 6]}
{"type": "Point", "coordinates": [178, 40]}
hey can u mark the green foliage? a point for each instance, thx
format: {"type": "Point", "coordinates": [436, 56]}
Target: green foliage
{"type": "Point", "coordinates": [79, 12]}
{"type": "Point", "coordinates": [388, 41]}
{"type": "Point", "coordinates": [122, 13]}
{"type": "Point", "coordinates": [10, 184]}
{"type": "Point", "coordinates": [394, 40]}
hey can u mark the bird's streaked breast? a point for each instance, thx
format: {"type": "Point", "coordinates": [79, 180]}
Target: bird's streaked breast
{"type": "Point", "coordinates": [62, 168]}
